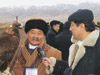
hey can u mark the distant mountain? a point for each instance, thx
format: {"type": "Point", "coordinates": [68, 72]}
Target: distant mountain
{"type": "Point", "coordinates": [48, 13]}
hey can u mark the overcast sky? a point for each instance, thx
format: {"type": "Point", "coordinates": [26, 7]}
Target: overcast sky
{"type": "Point", "coordinates": [27, 3]}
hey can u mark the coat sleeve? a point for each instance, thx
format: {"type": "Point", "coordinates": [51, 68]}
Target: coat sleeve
{"type": "Point", "coordinates": [98, 66]}
{"type": "Point", "coordinates": [58, 55]}
{"type": "Point", "coordinates": [51, 39]}
{"type": "Point", "coordinates": [60, 67]}
{"type": "Point", "coordinates": [97, 71]}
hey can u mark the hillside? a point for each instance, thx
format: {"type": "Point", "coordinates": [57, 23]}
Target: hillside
{"type": "Point", "coordinates": [59, 12]}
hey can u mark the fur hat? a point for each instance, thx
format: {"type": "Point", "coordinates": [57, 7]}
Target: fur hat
{"type": "Point", "coordinates": [36, 24]}
{"type": "Point", "coordinates": [81, 15]}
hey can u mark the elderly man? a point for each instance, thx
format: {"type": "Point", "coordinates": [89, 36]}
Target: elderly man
{"type": "Point", "coordinates": [84, 53]}
{"type": "Point", "coordinates": [28, 59]}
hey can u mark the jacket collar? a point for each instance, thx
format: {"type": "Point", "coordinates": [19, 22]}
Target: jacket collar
{"type": "Point", "coordinates": [33, 56]}
{"type": "Point", "coordinates": [90, 40]}
{"type": "Point", "coordinates": [54, 31]}
{"type": "Point", "coordinates": [76, 52]}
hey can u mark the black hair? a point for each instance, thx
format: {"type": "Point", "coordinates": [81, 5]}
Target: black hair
{"type": "Point", "coordinates": [67, 25]}
{"type": "Point", "coordinates": [89, 25]}
{"type": "Point", "coordinates": [54, 22]}
{"type": "Point", "coordinates": [61, 27]}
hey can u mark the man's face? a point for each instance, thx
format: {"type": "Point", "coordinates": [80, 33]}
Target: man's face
{"type": "Point", "coordinates": [56, 27]}
{"type": "Point", "coordinates": [76, 30]}
{"type": "Point", "coordinates": [35, 36]}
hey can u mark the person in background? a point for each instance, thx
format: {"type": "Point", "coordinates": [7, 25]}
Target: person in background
{"type": "Point", "coordinates": [50, 37]}
{"type": "Point", "coordinates": [98, 24]}
{"type": "Point", "coordinates": [48, 25]}
{"type": "Point", "coordinates": [36, 30]}
{"type": "Point", "coordinates": [84, 53]}
{"type": "Point", "coordinates": [61, 28]}
{"type": "Point", "coordinates": [63, 41]}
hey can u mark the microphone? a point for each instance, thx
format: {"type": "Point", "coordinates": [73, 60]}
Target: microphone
{"type": "Point", "coordinates": [42, 53]}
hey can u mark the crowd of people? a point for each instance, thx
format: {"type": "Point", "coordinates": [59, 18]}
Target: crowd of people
{"type": "Point", "coordinates": [56, 48]}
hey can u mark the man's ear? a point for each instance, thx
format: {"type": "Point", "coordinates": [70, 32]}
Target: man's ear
{"type": "Point", "coordinates": [82, 26]}
{"type": "Point", "coordinates": [53, 26]}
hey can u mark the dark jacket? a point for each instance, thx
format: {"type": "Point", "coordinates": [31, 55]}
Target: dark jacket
{"type": "Point", "coordinates": [63, 42]}
{"type": "Point", "coordinates": [86, 57]}
{"type": "Point", "coordinates": [50, 38]}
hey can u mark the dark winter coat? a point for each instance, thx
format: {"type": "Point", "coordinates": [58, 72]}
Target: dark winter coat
{"type": "Point", "coordinates": [63, 42]}
{"type": "Point", "coordinates": [50, 38]}
{"type": "Point", "coordinates": [86, 57]}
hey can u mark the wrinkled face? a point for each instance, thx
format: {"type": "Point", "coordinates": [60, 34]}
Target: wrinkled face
{"type": "Point", "coordinates": [76, 30]}
{"type": "Point", "coordinates": [35, 36]}
{"type": "Point", "coordinates": [56, 27]}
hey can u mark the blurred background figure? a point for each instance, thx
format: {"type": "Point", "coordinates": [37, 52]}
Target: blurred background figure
{"type": "Point", "coordinates": [17, 24]}
{"type": "Point", "coordinates": [9, 42]}
{"type": "Point", "coordinates": [63, 41]}
{"type": "Point", "coordinates": [61, 27]}
{"type": "Point", "coordinates": [98, 24]}
{"type": "Point", "coordinates": [48, 25]}
{"type": "Point", "coordinates": [50, 38]}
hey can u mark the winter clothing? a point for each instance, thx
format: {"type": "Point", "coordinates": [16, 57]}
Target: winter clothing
{"type": "Point", "coordinates": [36, 23]}
{"type": "Point", "coordinates": [32, 60]}
{"type": "Point", "coordinates": [63, 42]}
{"type": "Point", "coordinates": [50, 38]}
{"type": "Point", "coordinates": [6, 72]}
{"type": "Point", "coordinates": [86, 58]}
{"type": "Point", "coordinates": [81, 15]}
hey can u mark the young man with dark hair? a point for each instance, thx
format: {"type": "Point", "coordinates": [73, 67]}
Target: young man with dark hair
{"type": "Point", "coordinates": [55, 25]}
{"type": "Point", "coordinates": [84, 53]}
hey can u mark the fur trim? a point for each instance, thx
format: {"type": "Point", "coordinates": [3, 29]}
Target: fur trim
{"type": "Point", "coordinates": [90, 39]}
{"type": "Point", "coordinates": [76, 53]}
{"type": "Point", "coordinates": [73, 49]}
{"type": "Point", "coordinates": [51, 68]}
{"type": "Point", "coordinates": [36, 24]}
{"type": "Point", "coordinates": [53, 61]}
